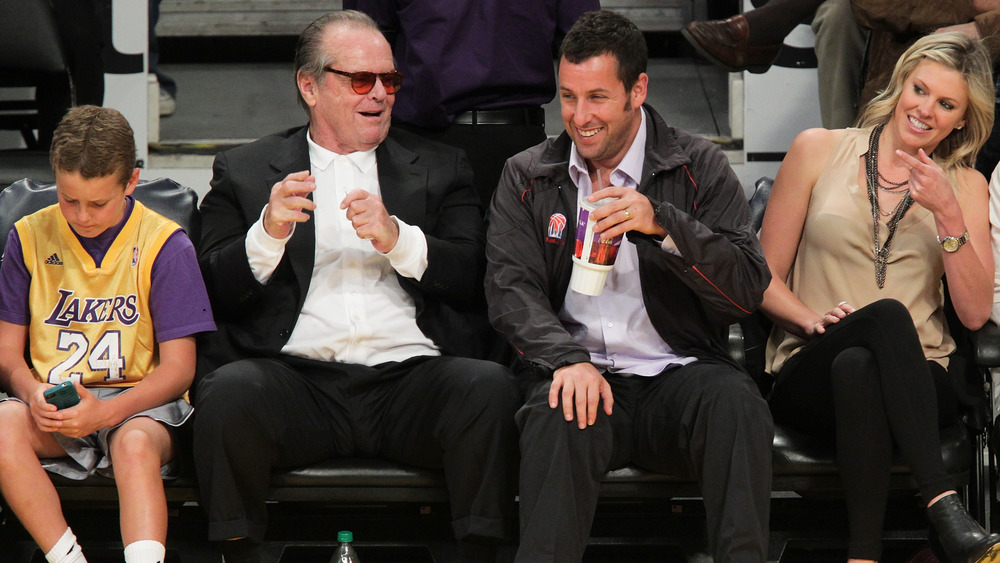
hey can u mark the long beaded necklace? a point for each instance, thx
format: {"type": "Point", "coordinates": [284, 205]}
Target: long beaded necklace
{"type": "Point", "coordinates": [872, 175]}
{"type": "Point", "coordinates": [890, 186]}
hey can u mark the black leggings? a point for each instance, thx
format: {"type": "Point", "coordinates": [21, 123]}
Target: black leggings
{"type": "Point", "coordinates": [866, 384]}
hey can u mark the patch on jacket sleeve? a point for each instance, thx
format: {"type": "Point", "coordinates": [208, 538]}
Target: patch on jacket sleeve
{"type": "Point", "coordinates": [557, 225]}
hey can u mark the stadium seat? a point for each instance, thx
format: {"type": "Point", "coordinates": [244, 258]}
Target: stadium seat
{"type": "Point", "coordinates": [804, 468]}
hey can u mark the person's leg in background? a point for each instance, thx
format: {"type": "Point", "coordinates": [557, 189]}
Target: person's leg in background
{"type": "Point", "coordinates": [749, 41]}
{"type": "Point", "coordinates": [168, 87]}
{"type": "Point", "coordinates": [487, 146]}
{"type": "Point", "coordinates": [840, 51]}
{"type": "Point", "coordinates": [81, 33]}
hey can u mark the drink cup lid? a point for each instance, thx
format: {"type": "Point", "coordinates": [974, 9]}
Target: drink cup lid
{"type": "Point", "coordinates": [591, 205]}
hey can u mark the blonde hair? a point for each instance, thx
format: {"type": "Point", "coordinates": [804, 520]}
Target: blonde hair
{"type": "Point", "coordinates": [967, 56]}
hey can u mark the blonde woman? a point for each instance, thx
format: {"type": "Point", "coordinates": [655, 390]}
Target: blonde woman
{"type": "Point", "coordinates": [861, 227]}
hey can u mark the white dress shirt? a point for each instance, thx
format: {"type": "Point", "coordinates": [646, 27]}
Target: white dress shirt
{"type": "Point", "coordinates": [355, 310]}
{"type": "Point", "coordinates": [614, 326]}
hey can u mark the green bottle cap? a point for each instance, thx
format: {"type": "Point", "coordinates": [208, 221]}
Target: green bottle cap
{"type": "Point", "coordinates": [345, 536]}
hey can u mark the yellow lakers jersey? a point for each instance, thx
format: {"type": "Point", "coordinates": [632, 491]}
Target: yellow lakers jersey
{"type": "Point", "coordinates": [91, 324]}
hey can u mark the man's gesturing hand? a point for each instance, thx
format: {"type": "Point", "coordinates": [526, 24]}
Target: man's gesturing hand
{"type": "Point", "coordinates": [371, 221]}
{"type": "Point", "coordinates": [288, 199]}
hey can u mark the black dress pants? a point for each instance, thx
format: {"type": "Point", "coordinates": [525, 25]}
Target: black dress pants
{"type": "Point", "coordinates": [866, 385]}
{"type": "Point", "coordinates": [705, 420]}
{"type": "Point", "coordinates": [256, 415]}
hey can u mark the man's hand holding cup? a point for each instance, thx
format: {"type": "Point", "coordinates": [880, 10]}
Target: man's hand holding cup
{"type": "Point", "coordinates": [627, 210]}
{"type": "Point", "coordinates": [602, 220]}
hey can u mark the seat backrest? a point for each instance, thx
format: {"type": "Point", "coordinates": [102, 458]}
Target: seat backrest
{"type": "Point", "coordinates": [29, 39]}
{"type": "Point", "coordinates": [758, 200]}
{"type": "Point", "coordinates": [163, 195]}
{"type": "Point", "coordinates": [756, 328]}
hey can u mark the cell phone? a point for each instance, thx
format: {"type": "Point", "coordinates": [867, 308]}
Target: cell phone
{"type": "Point", "coordinates": [63, 395]}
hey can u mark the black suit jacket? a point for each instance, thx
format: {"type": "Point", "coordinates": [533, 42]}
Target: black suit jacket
{"type": "Point", "coordinates": [425, 184]}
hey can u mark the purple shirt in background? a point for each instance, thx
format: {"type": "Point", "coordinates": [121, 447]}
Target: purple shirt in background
{"type": "Point", "coordinates": [472, 54]}
{"type": "Point", "coordinates": [178, 300]}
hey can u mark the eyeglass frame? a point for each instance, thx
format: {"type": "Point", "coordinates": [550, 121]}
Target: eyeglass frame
{"type": "Point", "coordinates": [382, 76]}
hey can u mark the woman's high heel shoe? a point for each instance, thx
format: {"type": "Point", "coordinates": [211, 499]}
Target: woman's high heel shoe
{"type": "Point", "coordinates": [959, 538]}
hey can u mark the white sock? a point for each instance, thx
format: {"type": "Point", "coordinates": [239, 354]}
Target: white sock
{"type": "Point", "coordinates": [145, 551]}
{"type": "Point", "coordinates": [66, 550]}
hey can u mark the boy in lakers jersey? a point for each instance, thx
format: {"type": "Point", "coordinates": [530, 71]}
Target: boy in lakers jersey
{"type": "Point", "coordinates": [105, 294]}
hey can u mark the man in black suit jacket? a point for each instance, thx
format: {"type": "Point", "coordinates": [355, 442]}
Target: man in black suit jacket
{"type": "Point", "coordinates": [345, 267]}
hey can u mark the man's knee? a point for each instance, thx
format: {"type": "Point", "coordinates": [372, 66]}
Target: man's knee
{"type": "Point", "coordinates": [490, 383]}
{"type": "Point", "coordinates": [734, 401]}
{"type": "Point", "coordinates": [479, 393]}
{"type": "Point", "coordinates": [230, 399]}
{"type": "Point", "coordinates": [545, 427]}
{"type": "Point", "coordinates": [833, 16]}
{"type": "Point", "coordinates": [233, 384]}
{"type": "Point", "coordinates": [838, 34]}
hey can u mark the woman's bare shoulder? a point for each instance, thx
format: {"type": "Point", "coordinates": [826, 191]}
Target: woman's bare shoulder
{"type": "Point", "coordinates": [811, 149]}
{"type": "Point", "coordinates": [819, 138]}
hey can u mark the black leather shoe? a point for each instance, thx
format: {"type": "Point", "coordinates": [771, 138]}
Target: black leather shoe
{"type": "Point", "coordinates": [959, 538]}
{"type": "Point", "coordinates": [239, 551]}
{"type": "Point", "coordinates": [725, 44]}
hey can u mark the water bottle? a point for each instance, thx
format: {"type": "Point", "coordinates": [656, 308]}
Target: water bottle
{"type": "Point", "coordinates": [345, 552]}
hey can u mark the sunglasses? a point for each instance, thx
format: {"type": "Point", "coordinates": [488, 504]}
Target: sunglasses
{"type": "Point", "coordinates": [363, 82]}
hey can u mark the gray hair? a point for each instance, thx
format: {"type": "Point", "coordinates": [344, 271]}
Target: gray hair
{"type": "Point", "coordinates": [309, 55]}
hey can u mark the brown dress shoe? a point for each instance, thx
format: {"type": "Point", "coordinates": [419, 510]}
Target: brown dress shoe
{"type": "Point", "coordinates": [724, 43]}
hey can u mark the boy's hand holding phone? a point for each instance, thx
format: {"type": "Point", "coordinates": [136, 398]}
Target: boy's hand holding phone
{"type": "Point", "coordinates": [63, 395]}
{"type": "Point", "coordinates": [82, 414]}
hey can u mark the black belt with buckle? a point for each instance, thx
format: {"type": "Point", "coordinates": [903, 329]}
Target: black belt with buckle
{"type": "Point", "coordinates": [523, 115]}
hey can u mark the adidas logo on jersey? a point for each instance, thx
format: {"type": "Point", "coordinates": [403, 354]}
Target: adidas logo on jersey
{"type": "Point", "coordinates": [53, 260]}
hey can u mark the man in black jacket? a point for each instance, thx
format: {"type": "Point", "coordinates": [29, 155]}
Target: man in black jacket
{"type": "Point", "coordinates": [344, 262]}
{"type": "Point", "coordinates": [639, 373]}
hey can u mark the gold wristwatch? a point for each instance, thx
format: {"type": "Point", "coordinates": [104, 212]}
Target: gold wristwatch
{"type": "Point", "coordinates": [951, 244]}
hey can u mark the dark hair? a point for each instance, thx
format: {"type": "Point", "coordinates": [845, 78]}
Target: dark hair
{"type": "Point", "coordinates": [309, 55]}
{"type": "Point", "coordinates": [606, 32]}
{"type": "Point", "coordinates": [95, 142]}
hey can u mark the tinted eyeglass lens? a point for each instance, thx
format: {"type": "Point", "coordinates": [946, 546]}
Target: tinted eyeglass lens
{"type": "Point", "coordinates": [392, 81]}
{"type": "Point", "coordinates": [363, 82]}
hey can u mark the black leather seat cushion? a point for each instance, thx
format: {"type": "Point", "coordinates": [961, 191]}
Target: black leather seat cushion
{"type": "Point", "coordinates": [165, 196]}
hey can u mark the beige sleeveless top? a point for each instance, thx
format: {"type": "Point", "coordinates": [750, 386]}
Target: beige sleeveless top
{"type": "Point", "coordinates": [835, 260]}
